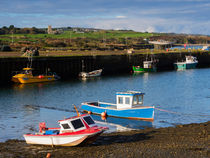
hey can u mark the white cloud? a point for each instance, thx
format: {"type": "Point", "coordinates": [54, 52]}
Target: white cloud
{"type": "Point", "coordinates": [187, 16]}
{"type": "Point", "coordinates": [150, 29]}
{"type": "Point", "coordinates": [120, 17]}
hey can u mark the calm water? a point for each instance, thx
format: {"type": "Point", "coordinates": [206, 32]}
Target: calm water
{"type": "Point", "coordinates": [187, 93]}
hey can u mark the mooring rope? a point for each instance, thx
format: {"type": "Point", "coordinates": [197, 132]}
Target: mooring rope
{"type": "Point", "coordinates": [80, 110]}
{"type": "Point", "coordinates": [180, 113]}
{"type": "Point", "coordinates": [166, 111]}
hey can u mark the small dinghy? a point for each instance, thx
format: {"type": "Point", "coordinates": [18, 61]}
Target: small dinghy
{"type": "Point", "coordinates": [94, 73]}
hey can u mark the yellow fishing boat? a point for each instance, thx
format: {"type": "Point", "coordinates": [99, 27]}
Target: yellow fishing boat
{"type": "Point", "coordinates": [26, 76]}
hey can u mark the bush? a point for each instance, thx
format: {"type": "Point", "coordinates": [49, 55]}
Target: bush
{"type": "Point", "coordinates": [29, 51]}
{"type": "Point", "coordinates": [6, 48]}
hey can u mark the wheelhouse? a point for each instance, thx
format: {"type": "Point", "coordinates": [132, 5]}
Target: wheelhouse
{"type": "Point", "coordinates": [76, 123]}
{"type": "Point", "coordinates": [129, 99]}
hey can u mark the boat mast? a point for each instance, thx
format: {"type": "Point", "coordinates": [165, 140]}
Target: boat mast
{"type": "Point", "coordinates": [83, 66]}
{"type": "Point", "coordinates": [30, 59]}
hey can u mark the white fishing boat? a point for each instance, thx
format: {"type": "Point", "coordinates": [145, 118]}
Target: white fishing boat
{"type": "Point", "coordinates": [72, 131]}
{"type": "Point", "coordinates": [84, 74]}
{"type": "Point", "coordinates": [94, 73]}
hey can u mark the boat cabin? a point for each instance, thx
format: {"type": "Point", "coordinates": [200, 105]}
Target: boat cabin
{"type": "Point", "coordinates": [190, 59]}
{"type": "Point", "coordinates": [129, 99]}
{"type": "Point", "coordinates": [27, 70]}
{"type": "Point", "coordinates": [76, 123]}
{"type": "Point", "coordinates": [148, 64]}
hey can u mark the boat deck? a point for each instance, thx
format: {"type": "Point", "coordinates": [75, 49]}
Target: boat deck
{"type": "Point", "coordinates": [104, 105]}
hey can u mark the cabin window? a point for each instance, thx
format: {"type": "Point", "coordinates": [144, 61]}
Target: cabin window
{"type": "Point", "coordinates": [89, 120]}
{"type": "Point", "coordinates": [65, 126]}
{"type": "Point", "coordinates": [77, 123]}
{"type": "Point", "coordinates": [120, 100]}
{"type": "Point", "coordinates": [137, 99]}
{"type": "Point", "coordinates": [127, 100]}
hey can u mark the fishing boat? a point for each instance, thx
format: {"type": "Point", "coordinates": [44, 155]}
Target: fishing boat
{"type": "Point", "coordinates": [26, 76]}
{"type": "Point", "coordinates": [94, 73]}
{"type": "Point", "coordinates": [90, 74]}
{"type": "Point", "coordinates": [148, 66]}
{"type": "Point", "coordinates": [189, 63]}
{"type": "Point", "coordinates": [73, 131]}
{"type": "Point", "coordinates": [129, 105]}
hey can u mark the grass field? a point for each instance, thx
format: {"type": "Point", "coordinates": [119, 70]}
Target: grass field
{"type": "Point", "coordinates": [71, 34]}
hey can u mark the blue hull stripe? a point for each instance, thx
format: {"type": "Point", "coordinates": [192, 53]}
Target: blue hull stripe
{"type": "Point", "coordinates": [138, 113]}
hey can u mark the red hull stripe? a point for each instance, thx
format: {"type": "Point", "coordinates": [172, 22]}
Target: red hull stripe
{"type": "Point", "coordinates": [83, 132]}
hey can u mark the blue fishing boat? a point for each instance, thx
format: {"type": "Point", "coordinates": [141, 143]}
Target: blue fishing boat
{"type": "Point", "coordinates": [128, 105]}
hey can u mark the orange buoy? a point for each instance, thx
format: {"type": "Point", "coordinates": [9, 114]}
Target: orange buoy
{"type": "Point", "coordinates": [40, 76]}
{"type": "Point", "coordinates": [103, 118]}
{"type": "Point", "coordinates": [48, 155]}
{"type": "Point", "coordinates": [103, 114]}
{"type": "Point", "coordinates": [89, 112]}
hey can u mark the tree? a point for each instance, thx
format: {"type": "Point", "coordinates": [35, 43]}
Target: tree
{"type": "Point", "coordinates": [11, 27]}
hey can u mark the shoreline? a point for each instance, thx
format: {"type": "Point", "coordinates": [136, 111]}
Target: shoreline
{"type": "Point", "coordinates": [190, 140]}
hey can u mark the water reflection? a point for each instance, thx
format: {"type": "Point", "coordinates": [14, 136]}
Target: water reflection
{"type": "Point", "coordinates": [121, 124]}
{"type": "Point", "coordinates": [18, 86]}
{"type": "Point", "coordinates": [89, 79]}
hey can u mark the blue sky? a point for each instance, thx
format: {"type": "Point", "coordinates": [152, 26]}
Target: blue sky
{"type": "Point", "coordinates": [178, 16]}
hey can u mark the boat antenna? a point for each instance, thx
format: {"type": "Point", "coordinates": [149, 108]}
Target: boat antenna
{"type": "Point", "coordinates": [76, 110]}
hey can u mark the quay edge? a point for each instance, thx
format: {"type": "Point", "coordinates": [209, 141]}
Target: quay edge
{"type": "Point", "coordinates": [68, 67]}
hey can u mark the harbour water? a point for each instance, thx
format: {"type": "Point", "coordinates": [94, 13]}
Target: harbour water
{"type": "Point", "coordinates": [181, 97]}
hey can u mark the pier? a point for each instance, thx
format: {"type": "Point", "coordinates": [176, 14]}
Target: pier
{"type": "Point", "coordinates": [69, 66]}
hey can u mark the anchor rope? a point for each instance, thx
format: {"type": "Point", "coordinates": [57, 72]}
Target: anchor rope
{"type": "Point", "coordinates": [180, 113]}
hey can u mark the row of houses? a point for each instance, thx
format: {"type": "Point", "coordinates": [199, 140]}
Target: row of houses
{"type": "Point", "coordinates": [77, 30]}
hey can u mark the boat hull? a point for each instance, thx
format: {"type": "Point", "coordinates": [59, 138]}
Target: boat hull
{"type": "Point", "coordinates": [183, 66]}
{"type": "Point", "coordinates": [33, 79]}
{"type": "Point", "coordinates": [141, 69]}
{"type": "Point", "coordinates": [95, 73]}
{"type": "Point", "coordinates": [142, 113]}
{"type": "Point", "coordinates": [61, 140]}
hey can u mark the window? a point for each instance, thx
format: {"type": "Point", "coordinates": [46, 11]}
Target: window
{"type": "Point", "coordinates": [65, 126]}
{"type": "Point", "coordinates": [137, 100]}
{"type": "Point", "coordinates": [89, 120]}
{"type": "Point", "coordinates": [120, 100]}
{"type": "Point", "coordinates": [127, 100]}
{"type": "Point", "coordinates": [77, 124]}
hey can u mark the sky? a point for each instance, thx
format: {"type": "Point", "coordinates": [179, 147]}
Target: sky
{"type": "Point", "coordinates": [169, 16]}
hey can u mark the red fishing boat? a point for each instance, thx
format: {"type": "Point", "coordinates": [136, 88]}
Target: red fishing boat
{"type": "Point", "coordinates": [72, 131]}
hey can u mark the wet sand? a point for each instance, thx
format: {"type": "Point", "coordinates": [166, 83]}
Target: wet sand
{"type": "Point", "coordinates": [190, 140]}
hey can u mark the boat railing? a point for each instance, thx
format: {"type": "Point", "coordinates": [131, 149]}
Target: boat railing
{"type": "Point", "coordinates": [140, 106]}
{"type": "Point", "coordinates": [107, 105]}
{"type": "Point", "coordinates": [113, 107]}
